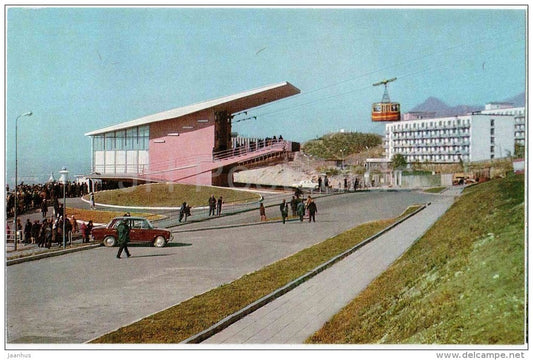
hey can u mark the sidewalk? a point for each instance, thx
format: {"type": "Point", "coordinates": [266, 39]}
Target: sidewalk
{"type": "Point", "coordinates": [293, 317]}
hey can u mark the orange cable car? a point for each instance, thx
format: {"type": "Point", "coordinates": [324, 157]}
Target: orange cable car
{"type": "Point", "coordinates": [386, 110]}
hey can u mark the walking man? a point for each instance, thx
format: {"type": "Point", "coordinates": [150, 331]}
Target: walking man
{"type": "Point", "coordinates": [212, 205]}
{"type": "Point", "coordinates": [294, 205]}
{"type": "Point", "coordinates": [262, 212]}
{"type": "Point", "coordinates": [44, 208]}
{"type": "Point", "coordinates": [219, 206]}
{"type": "Point", "coordinates": [301, 210]}
{"type": "Point", "coordinates": [123, 238]}
{"type": "Point", "coordinates": [312, 210]}
{"type": "Point", "coordinates": [184, 211]}
{"type": "Point", "coordinates": [284, 208]}
{"type": "Point", "coordinates": [91, 199]}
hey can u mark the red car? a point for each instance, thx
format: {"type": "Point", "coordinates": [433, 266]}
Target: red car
{"type": "Point", "coordinates": [141, 230]}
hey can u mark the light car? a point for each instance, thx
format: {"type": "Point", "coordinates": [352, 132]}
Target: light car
{"type": "Point", "coordinates": [141, 230]}
{"type": "Point", "coordinates": [306, 184]}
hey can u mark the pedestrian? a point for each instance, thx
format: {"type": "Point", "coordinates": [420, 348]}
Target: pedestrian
{"type": "Point", "coordinates": [262, 212]}
{"type": "Point", "coordinates": [55, 207]}
{"type": "Point", "coordinates": [91, 199]}
{"type": "Point", "coordinates": [345, 184]}
{"type": "Point", "coordinates": [48, 234]}
{"type": "Point", "coordinates": [301, 210]}
{"type": "Point", "coordinates": [75, 227]}
{"type": "Point", "coordinates": [41, 236]}
{"type": "Point", "coordinates": [44, 208]}
{"type": "Point", "coordinates": [294, 205]}
{"type": "Point", "coordinates": [320, 183]}
{"type": "Point", "coordinates": [312, 210]}
{"type": "Point", "coordinates": [68, 230]}
{"type": "Point", "coordinates": [35, 229]}
{"type": "Point", "coordinates": [89, 230]}
{"type": "Point", "coordinates": [84, 233]}
{"type": "Point", "coordinates": [284, 208]}
{"type": "Point", "coordinates": [123, 231]}
{"type": "Point", "coordinates": [219, 206]}
{"type": "Point", "coordinates": [326, 183]}
{"type": "Point", "coordinates": [184, 211]}
{"type": "Point", "coordinates": [27, 231]}
{"type": "Point", "coordinates": [212, 205]}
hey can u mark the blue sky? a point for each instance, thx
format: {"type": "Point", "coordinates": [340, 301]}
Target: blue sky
{"type": "Point", "coordinates": [79, 69]}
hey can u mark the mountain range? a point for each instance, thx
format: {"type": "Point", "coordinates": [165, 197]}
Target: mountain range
{"type": "Point", "coordinates": [433, 104]}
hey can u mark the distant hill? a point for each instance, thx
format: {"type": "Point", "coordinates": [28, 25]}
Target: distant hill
{"type": "Point", "coordinates": [518, 101]}
{"type": "Point", "coordinates": [433, 104]}
{"type": "Point", "coordinates": [442, 109]}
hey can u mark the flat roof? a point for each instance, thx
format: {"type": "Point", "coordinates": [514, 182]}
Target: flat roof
{"type": "Point", "coordinates": [233, 104]}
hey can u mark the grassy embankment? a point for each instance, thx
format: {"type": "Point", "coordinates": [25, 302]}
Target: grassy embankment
{"type": "Point", "coordinates": [171, 195]}
{"type": "Point", "coordinates": [462, 283]}
{"type": "Point", "coordinates": [199, 313]}
{"type": "Point", "coordinates": [157, 195]}
{"type": "Point", "coordinates": [435, 190]}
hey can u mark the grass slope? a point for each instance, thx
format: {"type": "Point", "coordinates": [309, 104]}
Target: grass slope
{"type": "Point", "coordinates": [171, 195]}
{"type": "Point", "coordinates": [463, 282]}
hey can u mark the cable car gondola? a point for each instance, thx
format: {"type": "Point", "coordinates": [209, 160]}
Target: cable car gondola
{"type": "Point", "coordinates": [386, 110]}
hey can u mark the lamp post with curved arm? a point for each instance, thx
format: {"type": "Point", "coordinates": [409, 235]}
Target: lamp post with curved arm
{"type": "Point", "coordinates": [29, 113]}
{"type": "Point", "coordinates": [63, 180]}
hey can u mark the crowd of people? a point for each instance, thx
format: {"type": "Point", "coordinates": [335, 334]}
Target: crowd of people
{"type": "Point", "coordinates": [298, 207]}
{"type": "Point", "coordinates": [50, 230]}
{"type": "Point", "coordinates": [214, 204]}
{"type": "Point", "coordinates": [346, 185]}
{"type": "Point", "coordinates": [241, 145]}
{"type": "Point", "coordinates": [46, 198]}
{"type": "Point", "coordinates": [31, 197]}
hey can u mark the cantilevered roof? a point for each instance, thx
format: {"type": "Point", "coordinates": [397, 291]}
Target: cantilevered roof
{"type": "Point", "coordinates": [232, 104]}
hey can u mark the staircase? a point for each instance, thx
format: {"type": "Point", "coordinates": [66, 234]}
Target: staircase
{"type": "Point", "coordinates": [183, 169]}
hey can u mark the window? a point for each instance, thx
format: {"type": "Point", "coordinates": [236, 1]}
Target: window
{"type": "Point", "coordinates": [109, 141]}
{"type": "Point", "coordinates": [491, 122]}
{"type": "Point", "coordinates": [144, 137]}
{"type": "Point", "coordinates": [98, 143]}
{"type": "Point", "coordinates": [120, 138]}
{"type": "Point", "coordinates": [131, 139]}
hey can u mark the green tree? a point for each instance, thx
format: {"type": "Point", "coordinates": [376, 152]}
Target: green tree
{"type": "Point", "coordinates": [398, 162]}
{"type": "Point", "coordinates": [519, 150]}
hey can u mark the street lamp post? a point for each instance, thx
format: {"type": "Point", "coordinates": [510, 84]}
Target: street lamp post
{"type": "Point", "coordinates": [63, 180]}
{"type": "Point", "coordinates": [29, 113]}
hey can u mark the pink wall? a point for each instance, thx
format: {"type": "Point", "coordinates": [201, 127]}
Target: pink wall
{"type": "Point", "coordinates": [171, 156]}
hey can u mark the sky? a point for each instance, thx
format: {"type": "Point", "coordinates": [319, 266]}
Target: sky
{"type": "Point", "coordinates": [79, 69]}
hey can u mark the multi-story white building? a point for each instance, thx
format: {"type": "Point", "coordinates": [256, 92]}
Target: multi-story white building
{"type": "Point", "coordinates": [488, 134]}
{"type": "Point", "coordinates": [519, 114]}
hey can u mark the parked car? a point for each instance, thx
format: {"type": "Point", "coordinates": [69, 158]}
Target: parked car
{"type": "Point", "coordinates": [141, 230]}
{"type": "Point", "coordinates": [306, 184]}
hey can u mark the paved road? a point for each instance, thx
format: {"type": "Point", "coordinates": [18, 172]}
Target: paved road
{"type": "Point", "coordinates": [298, 314]}
{"type": "Point", "coordinates": [80, 296]}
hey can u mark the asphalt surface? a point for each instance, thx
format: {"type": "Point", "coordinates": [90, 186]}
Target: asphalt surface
{"type": "Point", "coordinates": [298, 314]}
{"type": "Point", "coordinates": [77, 297]}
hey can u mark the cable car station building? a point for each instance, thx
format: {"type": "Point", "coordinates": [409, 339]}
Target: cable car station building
{"type": "Point", "coordinates": [191, 144]}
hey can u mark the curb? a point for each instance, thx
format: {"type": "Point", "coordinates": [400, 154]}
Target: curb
{"type": "Point", "coordinates": [50, 254]}
{"type": "Point", "coordinates": [226, 322]}
{"type": "Point", "coordinates": [231, 226]}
